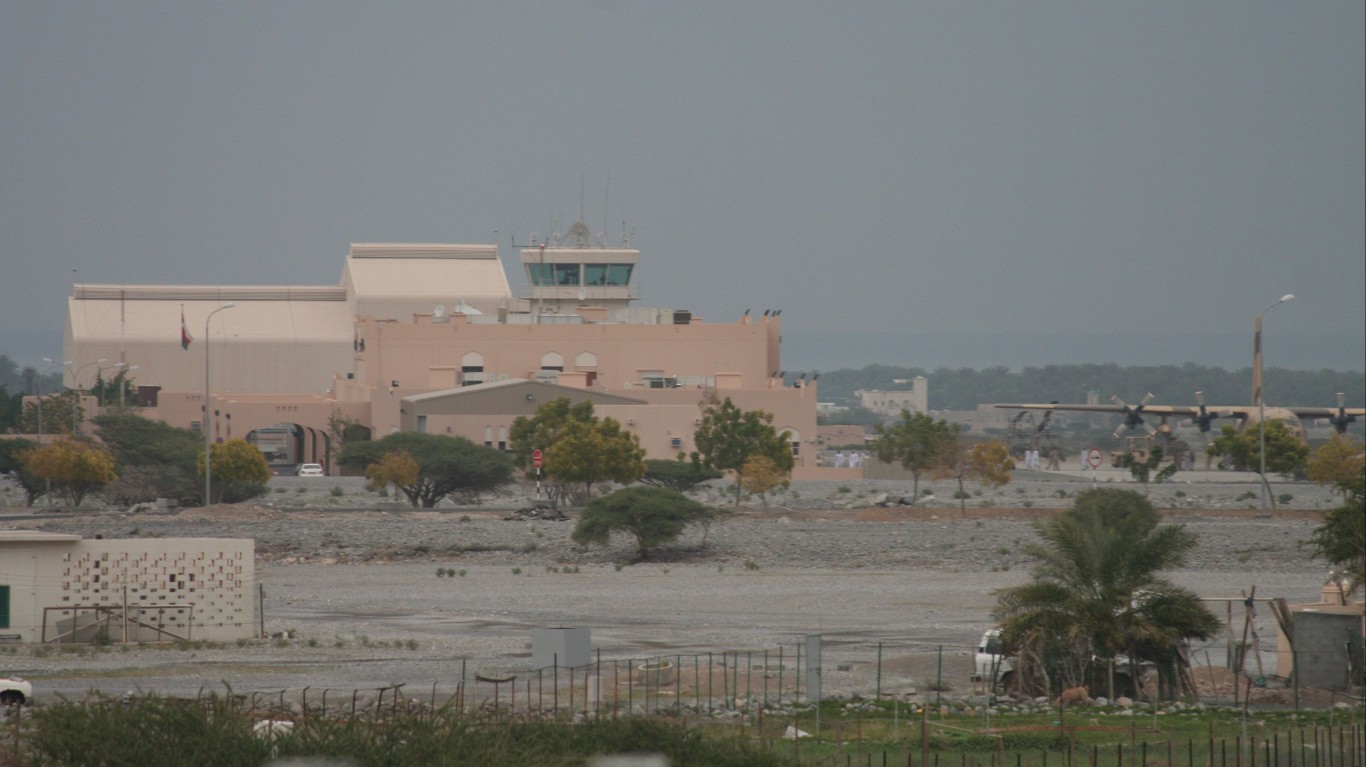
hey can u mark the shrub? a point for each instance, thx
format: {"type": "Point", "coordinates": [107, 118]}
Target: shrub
{"type": "Point", "coordinates": [337, 491]}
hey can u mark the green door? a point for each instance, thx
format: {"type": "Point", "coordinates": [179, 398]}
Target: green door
{"type": "Point", "coordinates": [4, 607]}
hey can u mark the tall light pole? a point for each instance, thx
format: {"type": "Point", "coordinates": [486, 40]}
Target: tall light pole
{"type": "Point", "coordinates": [1257, 391]}
{"type": "Point", "coordinates": [208, 435]}
{"type": "Point", "coordinates": [76, 397]}
{"type": "Point", "coordinates": [124, 370]}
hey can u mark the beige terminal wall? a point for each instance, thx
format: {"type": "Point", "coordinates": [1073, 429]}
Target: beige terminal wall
{"type": "Point", "coordinates": [192, 588]}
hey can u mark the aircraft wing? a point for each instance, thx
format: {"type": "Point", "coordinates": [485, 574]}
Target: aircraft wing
{"type": "Point", "coordinates": [1326, 412]}
{"type": "Point", "coordinates": [1237, 412]}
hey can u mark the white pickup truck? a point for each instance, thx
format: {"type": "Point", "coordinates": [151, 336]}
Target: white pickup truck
{"type": "Point", "coordinates": [15, 691]}
{"type": "Point", "coordinates": [992, 666]}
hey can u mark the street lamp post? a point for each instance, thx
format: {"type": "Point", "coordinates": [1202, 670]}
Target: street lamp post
{"type": "Point", "coordinates": [208, 435]}
{"type": "Point", "coordinates": [76, 394]}
{"type": "Point", "coordinates": [124, 370]}
{"type": "Point", "coordinates": [1257, 393]}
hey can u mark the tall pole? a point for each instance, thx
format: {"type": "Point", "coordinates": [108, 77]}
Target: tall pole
{"type": "Point", "coordinates": [208, 434]}
{"type": "Point", "coordinates": [76, 394]}
{"type": "Point", "coordinates": [1257, 394]}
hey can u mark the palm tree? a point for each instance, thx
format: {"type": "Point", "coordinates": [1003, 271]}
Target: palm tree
{"type": "Point", "coordinates": [1097, 589]}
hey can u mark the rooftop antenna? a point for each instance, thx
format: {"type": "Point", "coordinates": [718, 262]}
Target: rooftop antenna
{"type": "Point", "coordinates": [606, 196]}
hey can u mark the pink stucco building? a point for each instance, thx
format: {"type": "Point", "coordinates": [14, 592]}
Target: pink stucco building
{"type": "Point", "coordinates": [431, 337]}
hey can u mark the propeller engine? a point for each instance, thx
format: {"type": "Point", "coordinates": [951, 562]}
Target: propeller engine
{"type": "Point", "coordinates": [1133, 414]}
{"type": "Point", "coordinates": [1203, 417]}
{"type": "Point", "coordinates": [1341, 419]}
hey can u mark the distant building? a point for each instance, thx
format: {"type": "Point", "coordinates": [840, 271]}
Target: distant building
{"type": "Point", "coordinates": [890, 403]}
{"type": "Point", "coordinates": [430, 337]}
{"type": "Point", "coordinates": [58, 588]}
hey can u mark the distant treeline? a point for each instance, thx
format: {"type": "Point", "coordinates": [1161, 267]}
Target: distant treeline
{"type": "Point", "coordinates": [27, 380]}
{"type": "Point", "coordinates": [966, 388]}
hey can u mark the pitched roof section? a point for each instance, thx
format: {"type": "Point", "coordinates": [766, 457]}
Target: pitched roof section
{"type": "Point", "coordinates": [398, 280]}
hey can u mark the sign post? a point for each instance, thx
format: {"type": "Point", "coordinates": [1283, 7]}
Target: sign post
{"type": "Point", "coordinates": [1093, 458]}
{"type": "Point", "coordinates": [538, 460]}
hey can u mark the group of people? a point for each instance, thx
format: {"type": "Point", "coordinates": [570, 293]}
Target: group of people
{"type": "Point", "coordinates": [1031, 459]}
{"type": "Point", "coordinates": [853, 459]}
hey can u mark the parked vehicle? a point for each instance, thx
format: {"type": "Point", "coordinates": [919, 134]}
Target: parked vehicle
{"type": "Point", "coordinates": [15, 691]}
{"type": "Point", "coordinates": [992, 666]}
{"type": "Point", "coordinates": [311, 470]}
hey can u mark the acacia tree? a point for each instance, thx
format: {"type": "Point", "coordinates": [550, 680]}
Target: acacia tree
{"type": "Point", "coordinates": [12, 467]}
{"type": "Point", "coordinates": [585, 453]}
{"type": "Point", "coordinates": [446, 465]}
{"type": "Point", "coordinates": [681, 475]}
{"type": "Point", "coordinates": [1098, 587]}
{"type": "Point", "coordinates": [1341, 539]}
{"type": "Point", "coordinates": [340, 429]}
{"type": "Point", "coordinates": [1142, 471]}
{"type": "Point", "coordinates": [71, 467]}
{"type": "Point", "coordinates": [1338, 462]}
{"type": "Point", "coordinates": [238, 465]}
{"type": "Point", "coordinates": [396, 468]}
{"type": "Point", "coordinates": [155, 459]}
{"type": "Point", "coordinates": [654, 516]}
{"type": "Point", "coordinates": [1285, 455]}
{"type": "Point", "coordinates": [761, 476]}
{"type": "Point", "coordinates": [728, 436]}
{"type": "Point", "coordinates": [986, 462]}
{"type": "Point", "coordinates": [919, 443]}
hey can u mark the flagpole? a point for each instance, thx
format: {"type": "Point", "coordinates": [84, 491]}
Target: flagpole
{"type": "Point", "coordinates": [208, 435]}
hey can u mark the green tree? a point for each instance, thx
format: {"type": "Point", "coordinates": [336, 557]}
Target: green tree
{"type": "Point", "coordinates": [919, 443]}
{"type": "Point", "coordinates": [653, 516]}
{"type": "Point", "coordinates": [728, 436]}
{"type": "Point", "coordinates": [447, 465]}
{"type": "Point", "coordinates": [1097, 584]}
{"type": "Point", "coordinates": [71, 467]}
{"type": "Point", "coordinates": [1285, 454]}
{"type": "Point", "coordinates": [1341, 539]}
{"type": "Point", "coordinates": [11, 405]}
{"type": "Point", "coordinates": [681, 475]}
{"type": "Point", "coordinates": [52, 414]}
{"type": "Point", "coordinates": [986, 462]}
{"type": "Point", "coordinates": [340, 429]}
{"type": "Point", "coordinates": [13, 468]}
{"type": "Point", "coordinates": [540, 430]}
{"type": "Point", "coordinates": [240, 471]}
{"type": "Point", "coordinates": [113, 392]}
{"type": "Point", "coordinates": [585, 453]}
{"type": "Point", "coordinates": [155, 459]}
{"type": "Point", "coordinates": [1142, 471]}
{"type": "Point", "coordinates": [1338, 462]}
{"type": "Point", "coordinates": [396, 468]}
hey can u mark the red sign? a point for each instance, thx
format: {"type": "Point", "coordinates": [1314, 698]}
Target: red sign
{"type": "Point", "coordinates": [537, 459]}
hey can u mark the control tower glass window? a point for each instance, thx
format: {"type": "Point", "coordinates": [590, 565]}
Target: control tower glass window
{"type": "Point", "coordinates": [566, 274]}
{"type": "Point", "coordinates": [541, 274]}
{"type": "Point", "coordinates": [616, 275]}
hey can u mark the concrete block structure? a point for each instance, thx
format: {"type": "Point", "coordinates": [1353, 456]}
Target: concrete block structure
{"type": "Point", "coordinates": [430, 337]}
{"type": "Point", "coordinates": [57, 588]}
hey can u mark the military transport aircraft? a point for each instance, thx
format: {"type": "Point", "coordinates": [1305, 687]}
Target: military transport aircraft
{"type": "Point", "coordinates": [1202, 415]}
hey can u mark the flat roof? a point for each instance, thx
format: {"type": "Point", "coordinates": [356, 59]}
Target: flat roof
{"type": "Point", "coordinates": [36, 536]}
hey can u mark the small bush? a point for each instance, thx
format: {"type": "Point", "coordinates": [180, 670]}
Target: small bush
{"type": "Point", "coordinates": [959, 495]}
{"type": "Point", "coordinates": [1284, 498]}
{"type": "Point", "coordinates": [1180, 493]}
{"type": "Point", "coordinates": [337, 491]}
{"type": "Point", "coordinates": [516, 571]}
{"type": "Point", "coordinates": [751, 564]}
{"type": "Point", "coordinates": [461, 572]}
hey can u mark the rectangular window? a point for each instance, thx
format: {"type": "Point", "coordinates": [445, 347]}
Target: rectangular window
{"type": "Point", "coordinates": [422, 424]}
{"type": "Point", "coordinates": [4, 607]}
{"type": "Point", "coordinates": [541, 274]}
{"type": "Point", "coordinates": [615, 275]}
{"type": "Point", "coordinates": [567, 274]}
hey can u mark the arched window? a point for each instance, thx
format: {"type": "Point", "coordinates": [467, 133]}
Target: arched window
{"type": "Point", "coordinates": [794, 438]}
{"type": "Point", "coordinates": [502, 438]}
{"type": "Point", "coordinates": [552, 361]}
{"type": "Point", "coordinates": [488, 436]}
{"type": "Point", "coordinates": [472, 362]}
{"type": "Point", "coordinates": [586, 361]}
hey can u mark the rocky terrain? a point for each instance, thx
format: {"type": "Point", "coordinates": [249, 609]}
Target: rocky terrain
{"type": "Point", "coordinates": [364, 593]}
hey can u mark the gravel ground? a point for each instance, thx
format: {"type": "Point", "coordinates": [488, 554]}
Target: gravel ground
{"type": "Point", "coordinates": [357, 587]}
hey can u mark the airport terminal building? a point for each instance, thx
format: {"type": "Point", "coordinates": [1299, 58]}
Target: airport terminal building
{"type": "Point", "coordinates": [430, 337]}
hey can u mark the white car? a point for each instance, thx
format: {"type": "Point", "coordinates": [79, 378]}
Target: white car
{"type": "Point", "coordinates": [311, 470]}
{"type": "Point", "coordinates": [15, 691]}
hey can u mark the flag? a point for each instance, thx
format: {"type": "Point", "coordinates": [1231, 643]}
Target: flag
{"type": "Point", "coordinates": [185, 337]}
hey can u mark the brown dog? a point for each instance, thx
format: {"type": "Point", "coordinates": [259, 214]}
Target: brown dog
{"type": "Point", "coordinates": [1074, 696]}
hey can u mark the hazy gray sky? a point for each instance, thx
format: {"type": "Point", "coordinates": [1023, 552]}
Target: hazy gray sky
{"type": "Point", "coordinates": [956, 183]}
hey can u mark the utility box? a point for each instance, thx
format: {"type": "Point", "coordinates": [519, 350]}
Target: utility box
{"type": "Point", "coordinates": [561, 646]}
